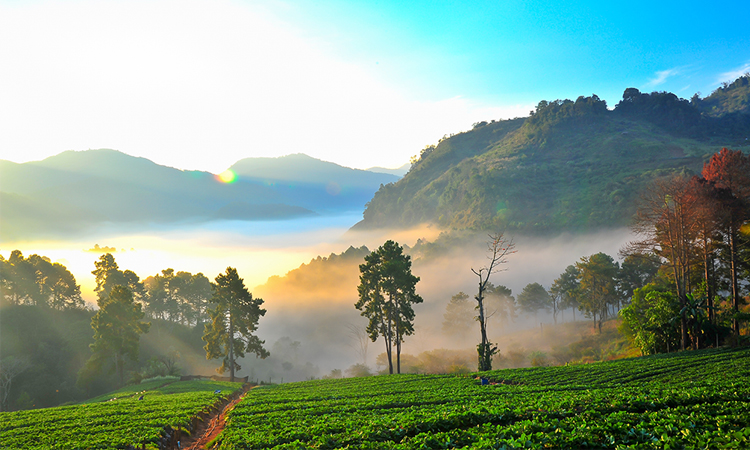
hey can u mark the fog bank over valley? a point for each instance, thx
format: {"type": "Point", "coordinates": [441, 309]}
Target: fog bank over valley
{"type": "Point", "coordinates": [314, 304]}
{"type": "Point", "coordinates": [307, 272]}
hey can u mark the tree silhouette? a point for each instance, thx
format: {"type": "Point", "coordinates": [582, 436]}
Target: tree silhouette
{"type": "Point", "coordinates": [498, 248]}
{"type": "Point", "coordinates": [234, 319]}
{"type": "Point", "coordinates": [117, 329]}
{"type": "Point", "coordinates": [386, 293]}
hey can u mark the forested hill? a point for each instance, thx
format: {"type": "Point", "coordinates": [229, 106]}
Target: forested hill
{"type": "Point", "coordinates": [571, 165]}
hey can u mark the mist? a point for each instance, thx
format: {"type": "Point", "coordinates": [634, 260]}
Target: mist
{"type": "Point", "coordinates": [308, 281]}
{"type": "Point", "coordinates": [314, 304]}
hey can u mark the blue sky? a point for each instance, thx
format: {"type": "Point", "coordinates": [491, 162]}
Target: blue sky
{"type": "Point", "coordinates": [508, 51]}
{"type": "Point", "coordinates": [200, 84]}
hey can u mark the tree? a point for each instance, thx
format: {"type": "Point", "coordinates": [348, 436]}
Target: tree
{"type": "Point", "coordinates": [458, 316]}
{"type": "Point", "coordinates": [195, 292]}
{"type": "Point", "coordinates": [598, 285]}
{"type": "Point", "coordinates": [564, 290]}
{"type": "Point", "coordinates": [386, 293]}
{"type": "Point", "coordinates": [709, 216]}
{"type": "Point", "coordinates": [649, 320]}
{"type": "Point", "coordinates": [636, 271]}
{"type": "Point", "coordinates": [500, 304]}
{"type": "Point", "coordinates": [534, 298]}
{"type": "Point", "coordinates": [36, 280]}
{"type": "Point", "coordinates": [108, 275]}
{"type": "Point", "coordinates": [667, 221]}
{"type": "Point", "coordinates": [498, 249]}
{"type": "Point", "coordinates": [64, 293]}
{"type": "Point", "coordinates": [234, 319]}
{"type": "Point", "coordinates": [19, 279]}
{"type": "Point", "coordinates": [729, 171]}
{"type": "Point", "coordinates": [117, 329]}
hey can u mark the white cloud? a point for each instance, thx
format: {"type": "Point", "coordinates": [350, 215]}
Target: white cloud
{"type": "Point", "coordinates": [733, 74]}
{"type": "Point", "coordinates": [661, 77]}
{"type": "Point", "coordinates": [199, 85]}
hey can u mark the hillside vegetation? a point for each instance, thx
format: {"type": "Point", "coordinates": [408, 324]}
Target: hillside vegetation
{"type": "Point", "coordinates": [572, 165]}
{"type": "Point", "coordinates": [55, 344]}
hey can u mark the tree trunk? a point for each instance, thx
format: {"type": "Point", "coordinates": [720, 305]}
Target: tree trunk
{"type": "Point", "coordinates": [389, 345]}
{"type": "Point", "coordinates": [389, 353]}
{"type": "Point", "coordinates": [231, 347]}
{"type": "Point", "coordinates": [735, 290]}
{"type": "Point", "coordinates": [398, 342]}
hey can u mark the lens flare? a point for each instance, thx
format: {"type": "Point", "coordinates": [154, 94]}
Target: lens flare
{"type": "Point", "coordinates": [228, 176]}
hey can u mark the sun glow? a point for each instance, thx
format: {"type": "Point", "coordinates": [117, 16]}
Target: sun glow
{"type": "Point", "coordinates": [228, 176]}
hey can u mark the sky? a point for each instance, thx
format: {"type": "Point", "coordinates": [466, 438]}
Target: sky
{"type": "Point", "coordinates": [201, 84]}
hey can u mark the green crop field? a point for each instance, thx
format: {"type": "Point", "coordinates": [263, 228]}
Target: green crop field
{"type": "Point", "coordinates": [683, 400]}
{"type": "Point", "coordinates": [678, 401]}
{"type": "Point", "coordinates": [118, 423]}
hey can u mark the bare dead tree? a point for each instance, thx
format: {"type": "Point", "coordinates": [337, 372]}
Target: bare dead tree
{"type": "Point", "coordinates": [498, 249]}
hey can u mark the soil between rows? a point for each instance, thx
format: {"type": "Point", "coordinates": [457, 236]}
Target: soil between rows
{"type": "Point", "coordinates": [208, 429]}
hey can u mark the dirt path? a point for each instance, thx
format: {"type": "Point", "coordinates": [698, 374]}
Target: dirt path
{"type": "Point", "coordinates": [207, 430]}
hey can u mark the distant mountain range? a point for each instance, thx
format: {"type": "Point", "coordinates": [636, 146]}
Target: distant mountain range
{"type": "Point", "coordinates": [75, 191]}
{"type": "Point", "coordinates": [399, 171]}
{"type": "Point", "coordinates": [571, 165]}
{"type": "Point", "coordinates": [311, 183]}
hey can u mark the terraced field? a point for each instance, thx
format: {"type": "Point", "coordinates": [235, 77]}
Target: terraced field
{"type": "Point", "coordinates": [684, 400]}
{"type": "Point", "coordinates": [121, 422]}
{"type": "Point", "coordinates": [679, 401]}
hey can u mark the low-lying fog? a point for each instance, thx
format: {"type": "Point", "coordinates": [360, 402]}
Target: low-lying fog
{"type": "Point", "coordinates": [310, 326]}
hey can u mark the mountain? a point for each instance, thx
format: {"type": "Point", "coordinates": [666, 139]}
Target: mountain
{"type": "Point", "coordinates": [572, 165]}
{"type": "Point", "coordinates": [75, 191]}
{"type": "Point", "coordinates": [727, 99]}
{"type": "Point", "coordinates": [399, 171]}
{"type": "Point", "coordinates": [312, 183]}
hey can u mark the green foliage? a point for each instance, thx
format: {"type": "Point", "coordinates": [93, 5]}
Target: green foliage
{"type": "Point", "coordinates": [486, 351]}
{"type": "Point", "coordinates": [565, 289]}
{"type": "Point", "coordinates": [663, 109]}
{"type": "Point", "coordinates": [649, 320]}
{"type": "Point", "coordinates": [572, 165]}
{"type": "Point", "coordinates": [37, 281]}
{"type": "Point", "coordinates": [598, 285]}
{"type": "Point", "coordinates": [117, 329]}
{"type": "Point", "coordinates": [180, 297]}
{"type": "Point", "coordinates": [387, 290]}
{"type": "Point", "coordinates": [56, 343]}
{"type": "Point", "coordinates": [234, 319]}
{"type": "Point", "coordinates": [636, 271]}
{"type": "Point", "coordinates": [108, 275]}
{"type": "Point", "coordinates": [729, 98]}
{"type": "Point", "coordinates": [534, 298]}
{"type": "Point", "coordinates": [683, 400]}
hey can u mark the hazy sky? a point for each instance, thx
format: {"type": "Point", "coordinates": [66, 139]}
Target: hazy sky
{"type": "Point", "coordinates": [200, 84]}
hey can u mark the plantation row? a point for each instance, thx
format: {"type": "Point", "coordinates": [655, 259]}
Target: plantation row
{"type": "Point", "coordinates": [685, 400]}
{"type": "Point", "coordinates": [116, 423]}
